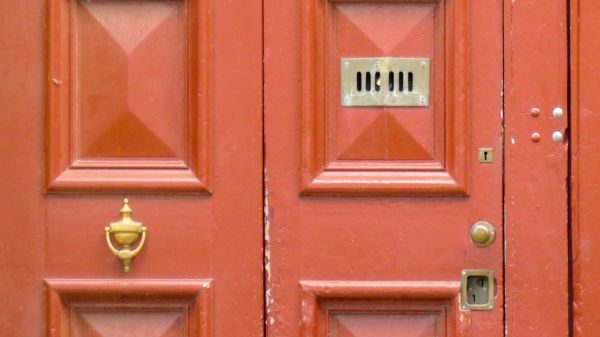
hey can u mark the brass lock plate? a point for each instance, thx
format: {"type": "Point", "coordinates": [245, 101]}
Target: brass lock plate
{"type": "Point", "coordinates": [486, 155]}
{"type": "Point", "coordinates": [389, 81]}
{"type": "Point", "coordinates": [477, 290]}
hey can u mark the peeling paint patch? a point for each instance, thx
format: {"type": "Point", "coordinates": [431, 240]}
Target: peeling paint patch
{"type": "Point", "coordinates": [269, 320]}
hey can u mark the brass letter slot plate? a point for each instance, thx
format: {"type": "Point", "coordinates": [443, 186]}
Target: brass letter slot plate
{"type": "Point", "coordinates": [389, 81]}
{"type": "Point", "coordinates": [477, 290]}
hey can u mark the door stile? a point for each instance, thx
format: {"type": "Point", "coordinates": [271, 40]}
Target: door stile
{"type": "Point", "coordinates": [536, 170]}
{"type": "Point", "coordinates": [22, 255]}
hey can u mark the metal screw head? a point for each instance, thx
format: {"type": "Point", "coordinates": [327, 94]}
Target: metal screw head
{"type": "Point", "coordinates": [557, 112]}
{"type": "Point", "coordinates": [422, 99]}
{"type": "Point", "coordinates": [557, 136]}
{"type": "Point", "coordinates": [535, 112]}
{"type": "Point", "coordinates": [423, 64]}
{"type": "Point", "coordinates": [535, 137]}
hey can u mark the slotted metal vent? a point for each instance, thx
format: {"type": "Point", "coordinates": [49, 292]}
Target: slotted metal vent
{"type": "Point", "coordinates": [385, 81]}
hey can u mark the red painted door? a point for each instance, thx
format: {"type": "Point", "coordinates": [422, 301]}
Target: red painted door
{"type": "Point", "coordinates": [370, 196]}
{"type": "Point", "coordinates": [147, 100]}
{"type": "Point", "coordinates": [295, 168]}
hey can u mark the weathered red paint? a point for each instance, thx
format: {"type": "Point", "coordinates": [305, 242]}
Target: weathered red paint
{"type": "Point", "coordinates": [535, 77]}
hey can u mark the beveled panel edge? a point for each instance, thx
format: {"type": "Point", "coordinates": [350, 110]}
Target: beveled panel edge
{"type": "Point", "coordinates": [59, 155]}
{"type": "Point", "coordinates": [313, 291]}
{"type": "Point", "coordinates": [59, 290]}
{"type": "Point", "coordinates": [127, 180]}
{"type": "Point", "coordinates": [384, 183]}
{"type": "Point", "coordinates": [317, 179]}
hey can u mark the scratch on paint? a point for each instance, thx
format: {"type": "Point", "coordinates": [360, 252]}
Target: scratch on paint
{"type": "Point", "coordinates": [269, 320]}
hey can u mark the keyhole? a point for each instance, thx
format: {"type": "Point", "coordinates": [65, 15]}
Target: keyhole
{"type": "Point", "coordinates": [485, 155]}
{"type": "Point", "coordinates": [477, 290]}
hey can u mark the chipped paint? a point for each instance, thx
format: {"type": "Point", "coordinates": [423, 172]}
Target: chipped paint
{"type": "Point", "coordinates": [269, 320]}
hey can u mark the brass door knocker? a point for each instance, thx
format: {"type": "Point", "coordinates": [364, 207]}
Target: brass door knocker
{"type": "Point", "coordinates": [125, 232]}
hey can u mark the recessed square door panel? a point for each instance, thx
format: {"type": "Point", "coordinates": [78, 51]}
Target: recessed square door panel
{"type": "Point", "coordinates": [129, 96]}
{"type": "Point", "coordinates": [417, 324]}
{"type": "Point", "coordinates": [126, 323]}
{"type": "Point", "coordinates": [130, 79]}
{"type": "Point", "coordinates": [382, 309]}
{"type": "Point", "coordinates": [385, 134]}
{"type": "Point", "coordinates": [148, 308]}
{"type": "Point", "coordinates": [413, 144]}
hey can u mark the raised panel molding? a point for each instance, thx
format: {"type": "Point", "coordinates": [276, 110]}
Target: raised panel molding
{"type": "Point", "coordinates": [414, 163]}
{"type": "Point", "coordinates": [129, 96]}
{"type": "Point", "coordinates": [369, 309]}
{"type": "Point", "coordinates": [149, 308]}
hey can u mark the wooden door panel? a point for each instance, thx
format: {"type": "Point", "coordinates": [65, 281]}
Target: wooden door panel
{"type": "Point", "coordinates": [129, 96]}
{"type": "Point", "coordinates": [102, 308]}
{"type": "Point", "coordinates": [374, 217]}
{"type": "Point", "coordinates": [365, 309]}
{"type": "Point", "coordinates": [422, 150]}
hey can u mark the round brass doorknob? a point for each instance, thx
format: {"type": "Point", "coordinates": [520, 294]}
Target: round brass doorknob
{"type": "Point", "coordinates": [483, 234]}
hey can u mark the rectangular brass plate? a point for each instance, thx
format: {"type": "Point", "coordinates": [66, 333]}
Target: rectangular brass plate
{"type": "Point", "coordinates": [486, 155]}
{"type": "Point", "coordinates": [477, 290]}
{"type": "Point", "coordinates": [389, 81]}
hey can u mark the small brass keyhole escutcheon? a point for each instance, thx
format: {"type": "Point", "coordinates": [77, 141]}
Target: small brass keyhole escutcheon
{"type": "Point", "coordinates": [483, 234]}
{"type": "Point", "coordinates": [486, 155]}
{"type": "Point", "coordinates": [126, 233]}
